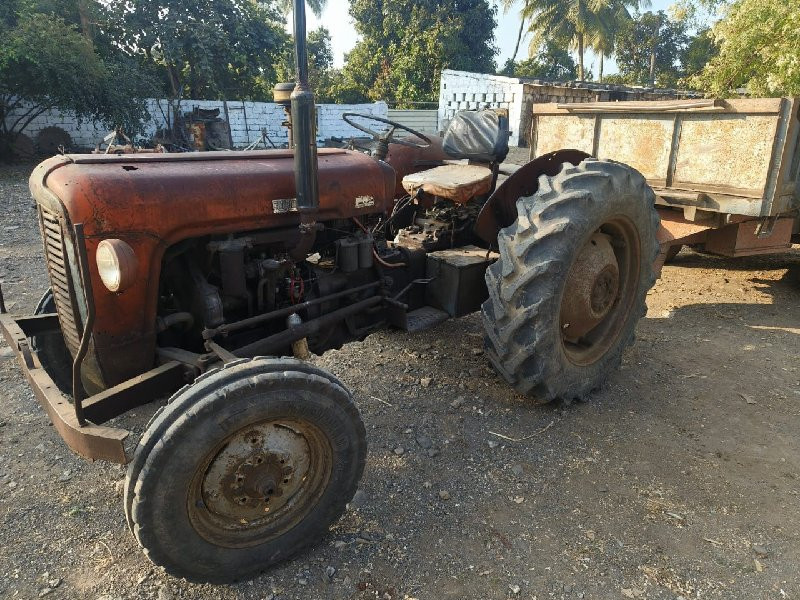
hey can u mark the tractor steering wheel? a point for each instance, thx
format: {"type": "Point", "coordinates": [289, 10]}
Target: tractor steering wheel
{"type": "Point", "coordinates": [386, 137]}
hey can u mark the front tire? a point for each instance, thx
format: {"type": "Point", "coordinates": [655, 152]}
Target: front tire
{"type": "Point", "coordinates": [244, 468]}
{"type": "Point", "coordinates": [571, 281]}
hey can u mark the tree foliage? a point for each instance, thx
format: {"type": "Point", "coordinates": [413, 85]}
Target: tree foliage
{"type": "Point", "coordinates": [650, 50]}
{"type": "Point", "coordinates": [759, 50]}
{"type": "Point", "coordinates": [321, 74]}
{"type": "Point", "coordinates": [316, 6]}
{"type": "Point", "coordinates": [206, 50]}
{"type": "Point", "coordinates": [405, 44]}
{"type": "Point", "coordinates": [580, 23]}
{"type": "Point", "coordinates": [701, 49]}
{"type": "Point", "coordinates": [551, 62]}
{"type": "Point", "coordinates": [48, 61]}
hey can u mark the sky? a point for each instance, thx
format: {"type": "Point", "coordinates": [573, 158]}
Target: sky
{"type": "Point", "coordinates": [343, 35]}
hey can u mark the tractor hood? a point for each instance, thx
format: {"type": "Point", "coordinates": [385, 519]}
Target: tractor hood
{"type": "Point", "coordinates": [176, 196]}
{"type": "Point", "coordinates": [153, 201]}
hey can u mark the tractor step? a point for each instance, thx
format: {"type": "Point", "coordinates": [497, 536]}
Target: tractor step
{"type": "Point", "coordinates": [424, 318]}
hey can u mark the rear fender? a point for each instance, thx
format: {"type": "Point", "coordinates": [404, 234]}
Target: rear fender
{"type": "Point", "coordinates": [500, 209]}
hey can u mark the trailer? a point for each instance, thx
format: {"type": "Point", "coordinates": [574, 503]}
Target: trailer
{"type": "Point", "coordinates": [724, 172]}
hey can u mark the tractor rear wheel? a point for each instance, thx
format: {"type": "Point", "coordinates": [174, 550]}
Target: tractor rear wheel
{"type": "Point", "coordinates": [244, 468]}
{"type": "Point", "coordinates": [571, 281]}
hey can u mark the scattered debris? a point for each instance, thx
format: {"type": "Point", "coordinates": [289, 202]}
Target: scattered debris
{"type": "Point", "coordinates": [527, 437]}
{"type": "Point", "coordinates": [747, 398]}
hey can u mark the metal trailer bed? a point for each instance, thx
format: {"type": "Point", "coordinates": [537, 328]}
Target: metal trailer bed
{"type": "Point", "coordinates": [725, 172]}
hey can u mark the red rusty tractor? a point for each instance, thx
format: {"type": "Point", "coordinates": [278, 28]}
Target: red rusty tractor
{"type": "Point", "coordinates": [191, 275]}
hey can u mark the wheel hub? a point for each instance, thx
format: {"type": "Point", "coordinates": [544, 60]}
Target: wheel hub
{"type": "Point", "coordinates": [591, 289]}
{"type": "Point", "coordinates": [261, 481]}
{"type": "Point", "coordinates": [258, 481]}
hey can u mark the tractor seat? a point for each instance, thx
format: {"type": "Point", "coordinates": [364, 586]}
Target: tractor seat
{"type": "Point", "coordinates": [457, 183]}
{"type": "Point", "coordinates": [477, 136]}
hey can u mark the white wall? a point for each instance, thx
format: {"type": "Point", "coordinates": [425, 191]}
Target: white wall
{"type": "Point", "coordinates": [246, 121]}
{"type": "Point", "coordinates": [421, 120]}
{"type": "Point", "coordinates": [461, 90]}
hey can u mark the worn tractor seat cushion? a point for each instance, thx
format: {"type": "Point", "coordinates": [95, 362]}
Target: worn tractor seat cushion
{"type": "Point", "coordinates": [457, 183]}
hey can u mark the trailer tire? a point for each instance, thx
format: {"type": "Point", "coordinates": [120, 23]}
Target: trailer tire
{"type": "Point", "coordinates": [249, 416]}
{"type": "Point", "coordinates": [558, 260]}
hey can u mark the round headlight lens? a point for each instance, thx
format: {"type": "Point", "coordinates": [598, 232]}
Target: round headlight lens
{"type": "Point", "coordinates": [116, 264]}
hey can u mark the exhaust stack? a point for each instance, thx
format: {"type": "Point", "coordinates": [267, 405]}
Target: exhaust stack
{"type": "Point", "coordinates": [304, 130]}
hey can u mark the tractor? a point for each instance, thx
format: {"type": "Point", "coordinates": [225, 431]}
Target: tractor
{"type": "Point", "coordinates": [207, 278]}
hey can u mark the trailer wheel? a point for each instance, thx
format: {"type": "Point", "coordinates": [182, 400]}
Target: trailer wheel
{"type": "Point", "coordinates": [244, 468]}
{"type": "Point", "coordinates": [571, 281]}
{"type": "Point", "coordinates": [51, 349]}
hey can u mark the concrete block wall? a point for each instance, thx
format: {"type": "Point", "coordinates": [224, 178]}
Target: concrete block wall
{"type": "Point", "coordinates": [246, 120]}
{"type": "Point", "coordinates": [461, 90]}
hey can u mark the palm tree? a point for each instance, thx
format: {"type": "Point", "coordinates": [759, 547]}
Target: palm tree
{"type": "Point", "coordinates": [579, 22]}
{"type": "Point", "coordinates": [611, 17]}
{"type": "Point", "coordinates": [524, 16]}
{"type": "Point", "coordinates": [316, 6]}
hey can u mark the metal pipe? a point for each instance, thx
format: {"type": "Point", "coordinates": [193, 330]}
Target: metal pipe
{"type": "Point", "coordinates": [300, 47]}
{"type": "Point", "coordinates": [164, 323]}
{"type": "Point", "coordinates": [83, 267]}
{"type": "Point", "coordinates": [284, 338]}
{"type": "Point", "coordinates": [284, 312]}
{"type": "Point", "coordinates": [304, 132]}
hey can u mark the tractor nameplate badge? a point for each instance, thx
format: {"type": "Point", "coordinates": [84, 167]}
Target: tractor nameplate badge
{"type": "Point", "coordinates": [284, 205]}
{"type": "Point", "coordinates": [364, 201]}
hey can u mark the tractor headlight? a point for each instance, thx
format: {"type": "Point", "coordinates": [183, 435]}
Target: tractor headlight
{"type": "Point", "coordinates": [116, 264]}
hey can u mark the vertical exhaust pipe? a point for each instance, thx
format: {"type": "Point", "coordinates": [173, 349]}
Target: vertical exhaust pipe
{"type": "Point", "coordinates": [304, 130]}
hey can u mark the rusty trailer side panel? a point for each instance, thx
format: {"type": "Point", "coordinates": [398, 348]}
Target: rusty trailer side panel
{"type": "Point", "coordinates": [725, 156]}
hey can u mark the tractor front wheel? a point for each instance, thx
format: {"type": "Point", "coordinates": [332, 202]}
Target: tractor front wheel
{"type": "Point", "coordinates": [571, 281]}
{"type": "Point", "coordinates": [244, 468]}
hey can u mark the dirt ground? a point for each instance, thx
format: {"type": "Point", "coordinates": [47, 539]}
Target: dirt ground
{"type": "Point", "coordinates": [680, 478]}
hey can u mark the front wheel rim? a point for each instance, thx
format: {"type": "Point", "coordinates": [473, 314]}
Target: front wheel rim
{"type": "Point", "coordinates": [259, 482]}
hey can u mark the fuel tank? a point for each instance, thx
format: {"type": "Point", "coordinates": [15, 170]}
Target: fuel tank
{"type": "Point", "coordinates": [152, 201]}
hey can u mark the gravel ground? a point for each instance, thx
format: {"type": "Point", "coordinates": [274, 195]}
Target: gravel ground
{"type": "Point", "coordinates": [678, 479]}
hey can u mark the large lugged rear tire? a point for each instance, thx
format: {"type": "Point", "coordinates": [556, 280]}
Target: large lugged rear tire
{"type": "Point", "coordinates": [571, 281]}
{"type": "Point", "coordinates": [244, 468]}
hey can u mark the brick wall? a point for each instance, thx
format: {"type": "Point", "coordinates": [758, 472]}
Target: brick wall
{"type": "Point", "coordinates": [246, 121]}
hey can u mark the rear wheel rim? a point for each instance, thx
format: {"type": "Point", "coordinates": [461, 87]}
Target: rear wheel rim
{"type": "Point", "coordinates": [613, 297]}
{"type": "Point", "coordinates": [260, 482]}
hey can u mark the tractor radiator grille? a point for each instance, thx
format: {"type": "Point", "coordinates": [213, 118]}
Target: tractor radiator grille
{"type": "Point", "coordinates": [60, 279]}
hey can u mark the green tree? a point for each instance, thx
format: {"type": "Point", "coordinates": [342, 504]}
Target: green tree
{"type": "Point", "coordinates": [759, 50]}
{"type": "Point", "coordinates": [208, 50]}
{"type": "Point", "coordinates": [523, 21]}
{"type": "Point", "coordinates": [581, 23]}
{"type": "Point", "coordinates": [321, 74]}
{"type": "Point", "coordinates": [316, 6]}
{"type": "Point", "coordinates": [613, 16]}
{"type": "Point", "coordinates": [650, 49]}
{"type": "Point", "coordinates": [48, 61]}
{"type": "Point", "coordinates": [701, 49]}
{"type": "Point", "coordinates": [551, 62]}
{"type": "Point", "coordinates": [405, 44]}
